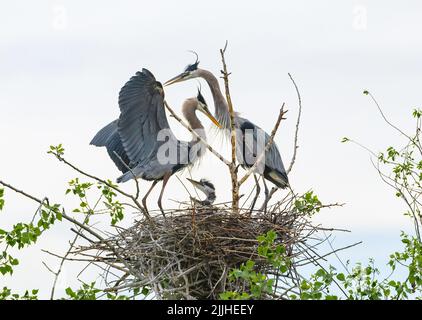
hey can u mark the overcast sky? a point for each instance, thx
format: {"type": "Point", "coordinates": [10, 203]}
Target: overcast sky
{"type": "Point", "coordinates": [62, 64]}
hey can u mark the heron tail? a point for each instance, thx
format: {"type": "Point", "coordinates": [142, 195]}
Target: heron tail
{"type": "Point", "coordinates": [280, 179]}
{"type": "Point", "coordinates": [125, 177]}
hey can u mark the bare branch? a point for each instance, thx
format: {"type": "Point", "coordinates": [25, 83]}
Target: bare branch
{"type": "Point", "coordinates": [297, 126]}
{"type": "Point", "coordinates": [69, 250]}
{"type": "Point", "coordinates": [133, 198]}
{"type": "Point", "coordinates": [385, 118]}
{"type": "Point", "coordinates": [72, 220]}
{"type": "Point", "coordinates": [41, 202]}
{"type": "Point", "coordinates": [131, 171]}
{"type": "Point", "coordinates": [232, 167]}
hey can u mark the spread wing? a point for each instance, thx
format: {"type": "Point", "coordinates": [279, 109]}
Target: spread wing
{"type": "Point", "coordinates": [141, 102]}
{"type": "Point", "coordinates": [109, 137]}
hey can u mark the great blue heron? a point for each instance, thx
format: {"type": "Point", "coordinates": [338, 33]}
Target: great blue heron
{"type": "Point", "coordinates": [205, 187]}
{"type": "Point", "coordinates": [133, 141]}
{"type": "Point", "coordinates": [274, 169]}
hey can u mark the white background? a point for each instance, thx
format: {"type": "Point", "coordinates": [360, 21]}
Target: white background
{"type": "Point", "coordinates": [62, 64]}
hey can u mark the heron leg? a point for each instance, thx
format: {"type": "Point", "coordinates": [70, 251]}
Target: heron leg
{"type": "Point", "coordinates": [165, 180]}
{"type": "Point", "coordinates": [144, 199]}
{"type": "Point", "coordinates": [258, 191]}
{"type": "Point", "coordinates": [266, 195]}
{"type": "Point", "coordinates": [273, 190]}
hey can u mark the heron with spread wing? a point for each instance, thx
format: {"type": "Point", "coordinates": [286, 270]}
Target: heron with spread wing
{"type": "Point", "coordinates": [141, 143]}
{"type": "Point", "coordinates": [246, 151]}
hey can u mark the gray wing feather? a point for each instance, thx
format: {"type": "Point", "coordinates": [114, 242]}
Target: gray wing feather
{"type": "Point", "coordinates": [109, 137]}
{"type": "Point", "coordinates": [102, 136]}
{"type": "Point", "coordinates": [141, 102]}
{"type": "Point", "coordinates": [272, 156]}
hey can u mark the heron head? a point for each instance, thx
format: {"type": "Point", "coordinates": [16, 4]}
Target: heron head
{"type": "Point", "coordinates": [203, 107]}
{"type": "Point", "coordinates": [206, 187]}
{"type": "Point", "coordinates": [190, 72]}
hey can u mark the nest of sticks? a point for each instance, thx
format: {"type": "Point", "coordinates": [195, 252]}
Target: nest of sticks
{"type": "Point", "coordinates": [189, 253]}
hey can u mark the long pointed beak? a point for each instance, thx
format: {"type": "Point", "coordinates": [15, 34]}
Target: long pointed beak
{"type": "Point", "coordinates": [194, 182]}
{"type": "Point", "coordinates": [211, 117]}
{"type": "Point", "coordinates": [176, 79]}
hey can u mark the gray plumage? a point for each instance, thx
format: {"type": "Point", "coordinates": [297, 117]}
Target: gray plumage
{"type": "Point", "coordinates": [109, 137]}
{"type": "Point", "coordinates": [134, 136]}
{"type": "Point", "coordinates": [274, 170]}
{"type": "Point", "coordinates": [141, 102]}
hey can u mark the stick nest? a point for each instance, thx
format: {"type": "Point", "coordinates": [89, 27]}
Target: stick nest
{"type": "Point", "coordinates": [189, 253]}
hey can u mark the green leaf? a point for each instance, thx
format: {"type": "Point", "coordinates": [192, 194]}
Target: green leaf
{"type": "Point", "coordinates": [1, 199]}
{"type": "Point", "coordinates": [417, 113]}
{"type": "Point", "coordinates": [304, 285]}
{"type": "Point", "coordinates": [320, 273]}
{"type": "Point", "coordinates": [340, 277]}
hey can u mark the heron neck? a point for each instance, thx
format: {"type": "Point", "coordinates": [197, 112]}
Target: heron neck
{"type": "Point", "coordinates": [221, 111]}
{"type": "Point", "coordinates": [189, 112]}
{"type": "Point", "coordinates": [196, 146]}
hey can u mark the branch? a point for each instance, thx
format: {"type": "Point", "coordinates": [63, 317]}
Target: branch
{"type": "Point", "coordinates": [299, 264]}
{"type": "Point", "coordinates": [63, 213]}
{"type": "Point", "coordinates": [297, 125]}
{"type": "Point", "coordinates": [389, 123]}
{"type": "Point", "coordinates": [267, 147]}
{"type": "Point", "coordinates": [232, 167]}
{"type": "Point", "coordinates": [130, 170]}
{"type": "Point", "coordinates": [183, 123]}
{"type": "Point", "coordinates": [133, 198]}
{"type": "Point", "coordinates": [74, 221]}
{"type": "Point", "coordinates": [384, 117]}
{"type": "Point", "coordinates": [270, 195]}
{"type": "Point", "coordinates": [71, 246]}
{"type": "Point", "coordinates": [41, 202]}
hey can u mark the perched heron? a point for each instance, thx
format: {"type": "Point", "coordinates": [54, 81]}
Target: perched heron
{"type": "Point", "coordinates": [274, 170]}
{"type": "Point", "coordinates": [135, 141]}
{"type": "Point", "coordinates": [207, 188]}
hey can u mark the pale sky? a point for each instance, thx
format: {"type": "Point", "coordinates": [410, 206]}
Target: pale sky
{"type": "Point", "coordinates": [62, 64]}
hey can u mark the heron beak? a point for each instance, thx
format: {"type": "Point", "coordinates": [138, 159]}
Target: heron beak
{"type": "Point", "coordinates": [210, 116]}
{"type": "Point", "coordinates": [176, 79]}
{"type": "Point", "coordinates": [194, 182]}
{"type": "Point", "coordinates": [214, 120]}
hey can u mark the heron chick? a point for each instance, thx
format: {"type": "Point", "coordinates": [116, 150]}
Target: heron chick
{"type": "Point", "coordinates": [207, 188]}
